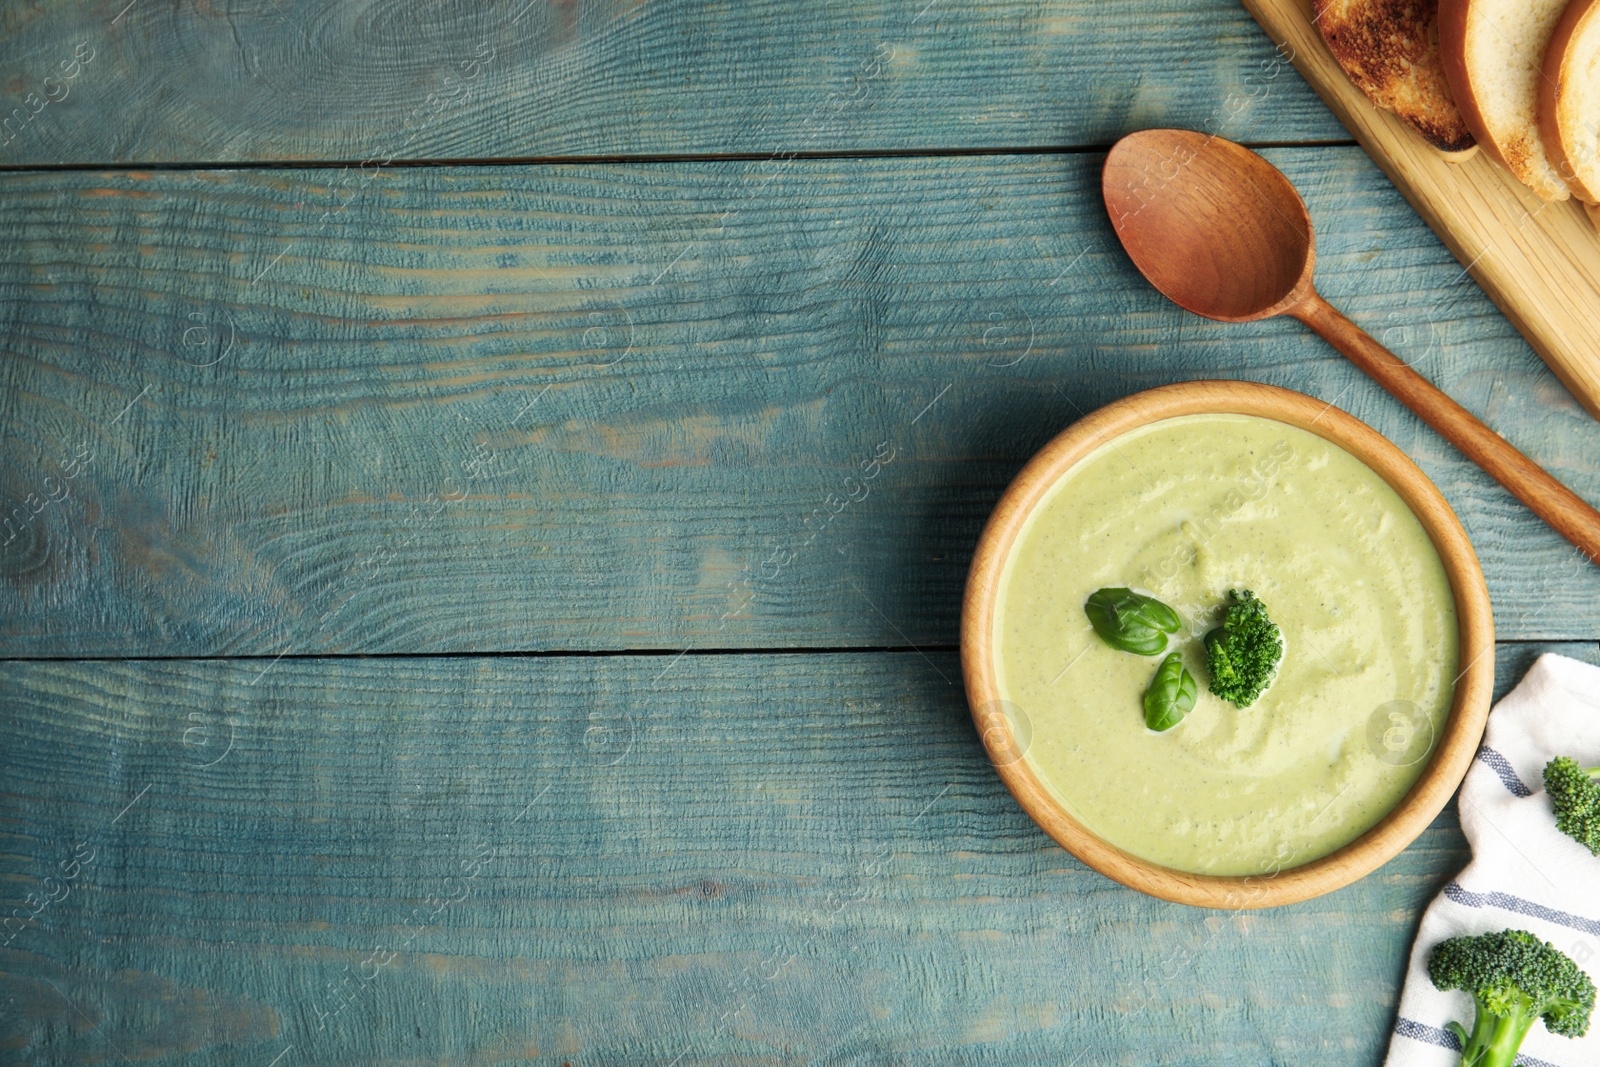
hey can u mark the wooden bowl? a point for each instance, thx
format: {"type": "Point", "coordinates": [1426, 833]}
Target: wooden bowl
{"type": "Point", "coordinates": [1456, 745]}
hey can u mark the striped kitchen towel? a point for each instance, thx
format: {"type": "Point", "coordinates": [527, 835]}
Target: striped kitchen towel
{"type": "Point", "coordinates": [1525, 874]}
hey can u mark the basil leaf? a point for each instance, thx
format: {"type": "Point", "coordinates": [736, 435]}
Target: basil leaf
{"type": "Point", "coordinates": [1171, 695]}
{"type": "Point", "coordinates": [1131, 622]}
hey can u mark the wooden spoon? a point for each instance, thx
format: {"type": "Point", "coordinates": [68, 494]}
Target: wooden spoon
{"type": "Point", "coordinates": [1224, 234]}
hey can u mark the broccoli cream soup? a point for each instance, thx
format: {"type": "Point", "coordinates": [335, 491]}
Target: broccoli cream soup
{"type": "Point", "coordinates": [1186, 510]}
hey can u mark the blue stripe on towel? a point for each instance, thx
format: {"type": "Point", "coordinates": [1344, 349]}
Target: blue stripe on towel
{"type": "Point", "coordinates": [1432, 1035]}
{"type": "Point", "coordinates": [1507, 902]}
{"type": "Point", "coordinates": [1502, 766]}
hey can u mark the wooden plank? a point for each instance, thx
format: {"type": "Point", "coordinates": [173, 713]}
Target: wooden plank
{"type": "Point", "coordinates": [1539, 262]}
{"type": "Point", "coordinates": [506, 79]}
{"type": "Point", "coordinates": [750, 858]}
{"type": "Point", "coordinates": [585, 407]}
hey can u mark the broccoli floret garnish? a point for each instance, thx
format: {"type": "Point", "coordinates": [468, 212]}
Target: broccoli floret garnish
{"type": "Point", "coordinates": [1514, 979]}
{"type": "Point", "coordinates": [1575, 797]}
{"type": "Point", "coordinates": [1242, 654]}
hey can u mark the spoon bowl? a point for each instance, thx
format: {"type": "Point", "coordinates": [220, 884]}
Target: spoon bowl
{"type": "Point", "coordinates": [1219, 230]}
{"type": "Point", "coordinates": [1222, 233]}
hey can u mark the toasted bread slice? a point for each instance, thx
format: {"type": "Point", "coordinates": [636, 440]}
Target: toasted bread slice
{"type": "Point", "coordinates": [1390, 50]}
{"type": "Point", "coordinates": [1569, 102]}
{"type": "Point", "coordinates": [1494, 58]}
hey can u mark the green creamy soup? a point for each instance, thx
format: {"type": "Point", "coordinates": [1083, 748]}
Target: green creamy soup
{"type": "Point", "coordinates": [1185, 510]}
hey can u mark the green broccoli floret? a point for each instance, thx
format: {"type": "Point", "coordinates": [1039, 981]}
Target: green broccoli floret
{"type": "Point", "coordinates": [1243, 653]}
{"type": "Point", "coordinates": [1514, 979]}
{"type": "Point", "coordinates": [1575, 796]}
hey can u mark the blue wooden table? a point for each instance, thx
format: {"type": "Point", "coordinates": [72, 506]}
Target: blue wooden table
{"type": "Point", "coordinates": [487, 490]}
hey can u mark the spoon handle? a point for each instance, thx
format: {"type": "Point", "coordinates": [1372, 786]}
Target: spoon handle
{"type": "Point", "coordinates": [1530, 483]}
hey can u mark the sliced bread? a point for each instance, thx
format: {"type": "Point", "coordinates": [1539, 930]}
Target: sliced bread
{"type": "Point", "coordinates": [1569, 105]}
{"type": "Point", "coordinates": [1390, 50]}
{"type": "Point", "coordinates": [1494, 59]}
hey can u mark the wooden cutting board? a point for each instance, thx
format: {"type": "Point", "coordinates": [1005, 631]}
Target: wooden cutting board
{"type": "Point", "coordinates": [1539, 262]}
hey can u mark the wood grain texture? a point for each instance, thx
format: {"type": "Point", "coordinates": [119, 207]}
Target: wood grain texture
{"type": "Point", "coordinates": [1539, 262]}
{"type": "Point", "coordinates": [590, 407]}
{"type": "Point", "coordinates": [583, 860]}
{"type": "Point", "coordinates": [374, 79]}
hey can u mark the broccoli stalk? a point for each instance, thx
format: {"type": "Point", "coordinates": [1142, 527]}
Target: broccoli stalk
{"type": "Point", "coordinates": [1514, 980]}
{"type": "Point", "coordinates": [1242, 654]}
{"type": "Point", "coordinates": [1575, 797]}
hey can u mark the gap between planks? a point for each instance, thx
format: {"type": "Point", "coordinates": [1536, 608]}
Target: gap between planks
{"type": "Point", "coordinates": [686, 157]}
{"type": "Point", "coordinates": [539, 653]}
{"type": "Point", "coordinates": [569, 653]}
